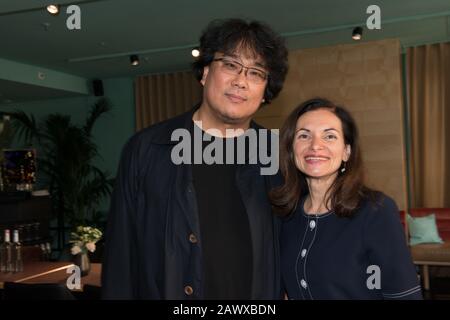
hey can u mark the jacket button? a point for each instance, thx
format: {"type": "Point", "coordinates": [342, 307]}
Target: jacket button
{"type": "Point", "coordinates": [193, 238]}
{"type": "Point", "coordinates": [188, 290]}
{"type": "Point", "coordinates": [304, 253]}
{"type": "Point", "coordinates": [303, 284]}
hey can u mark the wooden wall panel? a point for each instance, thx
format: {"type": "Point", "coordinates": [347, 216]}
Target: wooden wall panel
{"type": "Point", "coordinates": [366, 79]}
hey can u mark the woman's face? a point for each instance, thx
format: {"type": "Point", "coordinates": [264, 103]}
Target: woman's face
{"type": "Point", "coordinates": [319, 145]}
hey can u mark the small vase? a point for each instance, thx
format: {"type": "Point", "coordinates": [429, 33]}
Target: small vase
{"type": "Point", "coordinates": [82, 261]}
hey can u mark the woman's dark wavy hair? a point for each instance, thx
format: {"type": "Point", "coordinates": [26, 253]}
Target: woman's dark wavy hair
{"type": "Point", "coordinates": [228, 35]}
{"type": "Point", "coordinates": [346, 192]}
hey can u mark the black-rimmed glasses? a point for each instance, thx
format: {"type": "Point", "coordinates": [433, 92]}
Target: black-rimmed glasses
{"type": "Point", "coordinates": [233, 67]}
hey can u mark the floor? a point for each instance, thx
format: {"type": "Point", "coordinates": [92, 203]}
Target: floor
{"type": "Point", "coordinates": [439, 289]}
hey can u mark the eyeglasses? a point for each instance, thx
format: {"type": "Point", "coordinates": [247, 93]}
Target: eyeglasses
{"type": "Point", "coordinates": [235, 68]}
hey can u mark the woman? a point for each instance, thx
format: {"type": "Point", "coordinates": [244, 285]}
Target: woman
{"type": "Point", "coordinates": [339, 239]}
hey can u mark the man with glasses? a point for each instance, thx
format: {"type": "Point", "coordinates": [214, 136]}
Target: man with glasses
{"type": "Point", "coordinates": [201, 231]}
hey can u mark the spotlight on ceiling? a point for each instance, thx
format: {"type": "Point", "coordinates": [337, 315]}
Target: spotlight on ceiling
{"type": "Point", "coordinates": [195, 52]}
{"type": "Point", "coordinates": [134, 60]}
{"type": "Point", "coordinates": [357, 33]}
{"type": "Point", "coordinates": [53, 9]}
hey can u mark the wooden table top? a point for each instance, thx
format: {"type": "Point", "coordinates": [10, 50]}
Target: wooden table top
{"type": "Point", "coordinates": [51, 272]}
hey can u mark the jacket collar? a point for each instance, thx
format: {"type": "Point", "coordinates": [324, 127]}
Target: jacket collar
{"type": "Point", "coordinates": [163, 130]}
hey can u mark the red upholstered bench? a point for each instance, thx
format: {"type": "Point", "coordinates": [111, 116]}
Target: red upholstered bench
{"type": "Point", "coordinates": [431, 254]}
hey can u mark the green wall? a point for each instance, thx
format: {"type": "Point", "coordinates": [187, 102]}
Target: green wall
{"type": "Point", "coordinates": [111, 131]}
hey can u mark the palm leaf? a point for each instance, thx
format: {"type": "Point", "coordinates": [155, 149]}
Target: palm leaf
{"type": "Point", "coordinates": [76, 185]}
{"type": "Point", "coordinates": [25, 126]}
{"type": "Point", "coordinates": [100, 107]}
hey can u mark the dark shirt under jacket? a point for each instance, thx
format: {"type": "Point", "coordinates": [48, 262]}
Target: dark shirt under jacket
{"type": "Point", "coordinates": [327, 257]}
{"type": "Point", "coordinates": [224, 229]}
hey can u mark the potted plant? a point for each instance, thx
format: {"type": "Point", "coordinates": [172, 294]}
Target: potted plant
{"type": "Point", "coordinates": [67, 153]}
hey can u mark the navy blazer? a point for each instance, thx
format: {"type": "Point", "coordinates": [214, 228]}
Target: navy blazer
{"type": "Point", "coordinates": [362, 257]}
{"type": "Point", "coordinates": [153, 212]}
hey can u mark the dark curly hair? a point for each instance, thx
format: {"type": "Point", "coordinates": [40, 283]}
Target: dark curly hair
{"type": "Point", "coordinates": [228, 35]}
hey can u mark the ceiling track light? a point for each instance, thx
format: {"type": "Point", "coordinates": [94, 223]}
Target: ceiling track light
{"type": "Point", "coordinates": [357, 33]}
{"type": "Point", "coordinates": [134, 60]}
{"type": "Point", "coordinates": [195, 52]}
{"type": "Point", "coordinates": [53, 9]}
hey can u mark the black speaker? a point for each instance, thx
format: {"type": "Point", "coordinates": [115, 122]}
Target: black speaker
{"type": "Point", "coordinates": [98, 87]}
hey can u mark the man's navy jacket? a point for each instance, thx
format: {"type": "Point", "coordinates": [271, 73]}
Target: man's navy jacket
{"type": "Point", "coordinates": [148, 252]}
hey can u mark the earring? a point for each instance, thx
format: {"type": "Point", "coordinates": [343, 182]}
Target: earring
{"type": "Point", "coordinates": [263, 100]}
{"type": "Point", "coordinates": [343, 168]}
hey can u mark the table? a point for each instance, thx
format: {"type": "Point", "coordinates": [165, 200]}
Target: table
{"type": "Point", "coordinates": [51, 272]}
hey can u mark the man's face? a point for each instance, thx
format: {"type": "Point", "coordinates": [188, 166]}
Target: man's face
{"type": "Point", "coordinates": [233, 98]}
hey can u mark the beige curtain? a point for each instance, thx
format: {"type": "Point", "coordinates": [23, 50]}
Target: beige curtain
{"type": "Point", "coordinates": [163, 96]}
{"type": "Point", "coordinates": [429, 108]}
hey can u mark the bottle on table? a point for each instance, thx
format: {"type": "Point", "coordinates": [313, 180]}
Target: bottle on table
{"type": "Point", "coordinates": [17, 253]}
{"type": "Point", "coordinates": [6, 253]}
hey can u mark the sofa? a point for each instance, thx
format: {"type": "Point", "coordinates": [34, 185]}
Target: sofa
{"type": "Point", "coordinates": [427, 255]}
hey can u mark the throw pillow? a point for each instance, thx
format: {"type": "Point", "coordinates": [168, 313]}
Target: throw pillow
{"type": "Point", "coordinates": [423, 230]}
